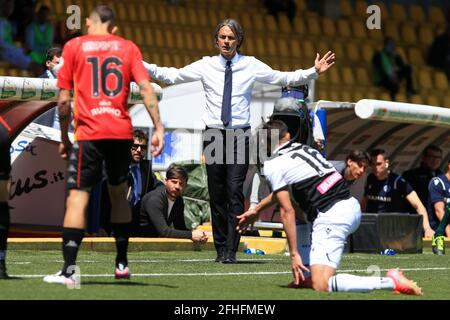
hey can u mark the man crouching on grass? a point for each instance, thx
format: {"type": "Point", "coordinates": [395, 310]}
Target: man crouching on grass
{"type": "Point", "coordinates": [320, 191]}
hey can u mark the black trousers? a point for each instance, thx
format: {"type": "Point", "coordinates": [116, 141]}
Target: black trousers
{"type": "Point", "coordinates": [227, 160]}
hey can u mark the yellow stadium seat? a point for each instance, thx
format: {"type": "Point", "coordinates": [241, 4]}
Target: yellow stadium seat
{"type": "Point", "coordinates": [359, 29]}
{"type": "Point", "coordinates": [426, 35]}
{"type": "Point", "coordinates": [132, 12]}
{"type": "Point", "coordinates": [440, 81]}
{"type": "Point", "coordinates": [346, 8]}
{"type": "Point", "coordinates": [285, 25]}
{"type": "Point", "coordinates": [313, 26]}
{"type": "Point", "coordinates": [322, 47]}
{"type": "Point", "coordinates": [383, 10]}
{"type": "Point", "coordinates": [167, 60]}
{"type": "Point", "coordinates": [328, 27]}
{"type": "Point", "coordinates": [359, 95]}
{"type": "Point", "coordinates": [338, 48]}
{"type": "Point", "coordinates": [348, 78]}
{"type": "Point", "coordinates": [139, 36]}
{"type": "Point", "coordinates": [391, 30]}
{"type": "Point", "coordinates": [361, 8]}
{"type": "Point", "coordinates": [398, 12]}
{"type": "Point", "coordinates": [283, 48]}
{"type": "Point", "coordinates": [308, 50]}
{"type": "Point", "coordinates": [401, 97]}
{"type": "Point", "coordinates": [248, 48]}
{"type": "Point", "coordinates": [345, 95]}
{"type": "Point", "coordinates": [296, 50]}
{"type": "Point", "coordinates": [353, 54]}
{"type": "Point", "coordinates": [159, 38]}
{"type": "Point", "coordinates": [258, 22]}
{"type": "Point", "coordinates": [200, 43]}
{"type": "Point", "coordinates": [142, 13]}
{"type": "Point", "coordinates": [260, 46]}
{"type": "Point", "coordinates": [435, 15]}
{"type": "Point", "coordinates": [367, 52]}
{"type": "Point", "coordinates": [447, 101]}
{"type": "Point", "coordinates": [408, 34]}
{"type": "Point", "coordinates": [384, 96]}
{"type": "Point", "coordinates": [270, 23]}
{"type": "Point", "coordinates": [343, 28]}
{"type": "Point", "coordinates": [415, 56]}
{"type": "Point", "coordinates": [148, 37]}
{"type": "Point", "coordinates": [433, 100]}
{"type": "Point", "coordinates": [417, 99]}
{"type": "Point", "coordinates": [177, 61]}
{"type": "Point", "coordinates": [271, 47]}
{"type": "Point", "coordinates": [362, 77]}
{"type": "Point", "coordinates": [416, 13]}
{"type": "Point", "coordinates": [246, 21]}
{"type": "Point", "coordinates": [299, 26]}
{"type": "Point", "coordinates": [180, 39]}
{"type": "Point", "coordinates": [370, 95]}
{"type": "Point", "coordinates": [333, 76]}
{"type": "Point", "coordinates": [424, 79]}
{"type": "Point", "coordinates": [169, 38]}
{"type": "Point", "coordinates": [172, 15]}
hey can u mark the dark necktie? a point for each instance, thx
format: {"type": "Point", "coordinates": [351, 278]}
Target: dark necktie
{"type": "Point", "coordinates": [226, 102]}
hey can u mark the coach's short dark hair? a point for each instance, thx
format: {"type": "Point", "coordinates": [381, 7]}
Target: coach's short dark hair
{"type": "Point", "coordinates": [376, 152]}
{"type": "Point", "coordinates": [140, 135]}
{"type": "Point", "coordinates": [235, 27]}
{"type": "Point", "coordinates": [175, 171]}
{"type": "Point", "coordinates": [358, 156]}
{"type": "Point", "coordinates": [105, 13]}
{"type": "Point", "coordinates": [53, 52]}
{"type": "Point", "coordinates": [431, 147]}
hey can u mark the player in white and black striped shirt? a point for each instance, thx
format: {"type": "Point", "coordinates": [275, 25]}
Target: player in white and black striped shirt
{"type": "Point", "coordinates": [322, 192]}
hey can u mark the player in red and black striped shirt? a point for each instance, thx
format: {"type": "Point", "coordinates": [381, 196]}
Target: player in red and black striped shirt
{"type": "Point", "coordinates": [99, 67]}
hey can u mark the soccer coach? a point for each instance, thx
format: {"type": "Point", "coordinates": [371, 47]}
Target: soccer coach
{"type": "Point", "coordinates": [228, 80]}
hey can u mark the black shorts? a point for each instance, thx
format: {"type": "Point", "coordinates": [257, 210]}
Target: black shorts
{"type": "Point", "coordinates": [87, 158]}
{"type": "Point", "coordinates": [5, 154]}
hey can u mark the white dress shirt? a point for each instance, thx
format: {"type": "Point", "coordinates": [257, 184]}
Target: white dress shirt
{"type": "Point", "coordinates": [211, 72]}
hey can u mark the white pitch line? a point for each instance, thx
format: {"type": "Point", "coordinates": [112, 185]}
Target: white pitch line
{"type": "Point", "coordinates": [224, 273]}
{"type": "Point", "coordinates": [183, 260]}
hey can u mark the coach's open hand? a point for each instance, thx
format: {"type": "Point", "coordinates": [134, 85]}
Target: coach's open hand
{"type": "Point", "coordinates": [325, 63]}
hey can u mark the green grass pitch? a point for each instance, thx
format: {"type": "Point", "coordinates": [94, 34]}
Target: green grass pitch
{"type": "Point", "coordinates": [193, 276]}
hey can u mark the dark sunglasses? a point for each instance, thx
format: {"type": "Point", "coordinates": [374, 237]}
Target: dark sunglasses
{"type": "Point", "coordinates": [135, 146]}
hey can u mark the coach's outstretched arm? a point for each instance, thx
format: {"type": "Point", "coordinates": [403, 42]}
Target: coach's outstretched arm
{"type": "Point", "coordinates": [151, 104]}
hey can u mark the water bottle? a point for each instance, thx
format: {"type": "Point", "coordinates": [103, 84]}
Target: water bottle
{"type": "Point", "coordinates": [388, 252]}
{"type": "Point", "coordinates": [254, 251]}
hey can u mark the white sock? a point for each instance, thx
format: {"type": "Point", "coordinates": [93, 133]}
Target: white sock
{"type": "Point", "coordinates": [351, 283]}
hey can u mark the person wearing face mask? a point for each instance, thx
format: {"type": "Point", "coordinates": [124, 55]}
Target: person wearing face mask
{"type": "Point", "coordinates": [228, 80]}
{"type": "Point", "coordinates": [386, 191]}
{"type": "Point", "coordinates": [389, 70]}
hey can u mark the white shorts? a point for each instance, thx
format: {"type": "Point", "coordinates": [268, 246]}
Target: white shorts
{"type": "Point", "coordinates": [330, 231]}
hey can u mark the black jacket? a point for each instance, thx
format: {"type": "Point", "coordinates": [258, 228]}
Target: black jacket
{"type": "Point", "coordinates": [153, 218]}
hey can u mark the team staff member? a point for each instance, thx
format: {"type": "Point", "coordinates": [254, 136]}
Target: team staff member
{"type": "Point", "coordinates": [386, 191]}
{"type": "Point", "coordinates": [5, 170]}
{"type": "Point", "coordinates": [99, 67]}
{"type": "Point", "coordinates": [439, 210]}
{"type": "Point", "coordinates": [228, 80]}
{"type": "Point", "coordinates": [420, 177]}
{"type": "Point", "coordinates": [162, 210]}
{"type": "Point", "coordinates": [322, 192]}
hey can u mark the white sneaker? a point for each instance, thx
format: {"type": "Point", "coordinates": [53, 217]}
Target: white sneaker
{"type": "Point", "coordinates": [59, 278]}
